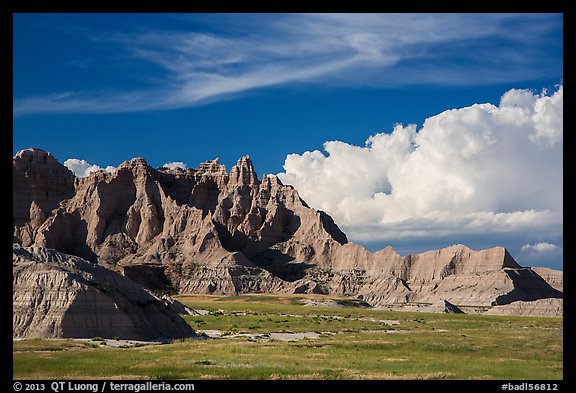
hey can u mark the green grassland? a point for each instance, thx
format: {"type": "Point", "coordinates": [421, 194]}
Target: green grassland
{"type": "Point", "coordinates": [353, 343]}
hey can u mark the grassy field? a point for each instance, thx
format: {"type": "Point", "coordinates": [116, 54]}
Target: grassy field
{"type": "Point", "coordinates": [352, 343]}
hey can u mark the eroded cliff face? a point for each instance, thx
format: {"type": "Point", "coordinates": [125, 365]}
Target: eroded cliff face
{"type": "Point", "coordinates": [206, 230]}
{"type": "Point", "coordinates": [553, 277]}
{"type": "Point", "coordinates": [40, 183]}
{"type": "Point", "coordinates": [58, 295]}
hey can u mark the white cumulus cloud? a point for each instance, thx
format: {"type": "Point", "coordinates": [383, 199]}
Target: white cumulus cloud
{"type": "Point", "coordinates": [475, 170]}
{"type": "Point", "coordinates": [540, 248]}
{"type": "Point", "coordinates": [81, 168]}
{"type": "Point", "coordinates": [174, 165]}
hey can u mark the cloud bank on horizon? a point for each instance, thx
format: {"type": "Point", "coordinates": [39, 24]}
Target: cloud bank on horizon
{"type": "Point", "coordinates": [478, 170]}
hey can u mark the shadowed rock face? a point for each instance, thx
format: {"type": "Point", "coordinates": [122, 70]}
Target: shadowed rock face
{"type": "Point", "coordinates": [206, 230]}
{"type": "Point", "coordinates": [58, 295]}
{"type": "Point", "coordinates": [553, 277]}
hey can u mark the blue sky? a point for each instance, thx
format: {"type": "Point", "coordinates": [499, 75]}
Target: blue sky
{"type": "Point", "coordinates": [191, 87]}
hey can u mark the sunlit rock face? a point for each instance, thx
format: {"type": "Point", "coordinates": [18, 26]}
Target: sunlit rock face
{"type": "Point", "coordinates": [59, 295]}
{"type": "Point", "coordinates": [206, 230]}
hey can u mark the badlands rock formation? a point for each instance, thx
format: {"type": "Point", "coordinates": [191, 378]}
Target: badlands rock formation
{"type": "Point", "coordinates": [538, 308]}
{"type": "Point", "coordinates": [206, 230]}
{"type": "Point", "coordinates": [553, 277]}
{"type": "Point", "coordinates": [40, 183]}
{"type": "Point", "coordinates": [57, 295]}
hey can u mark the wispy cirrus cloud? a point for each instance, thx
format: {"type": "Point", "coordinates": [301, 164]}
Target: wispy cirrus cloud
{"type": "Point", "coordinates": [256, 51]}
